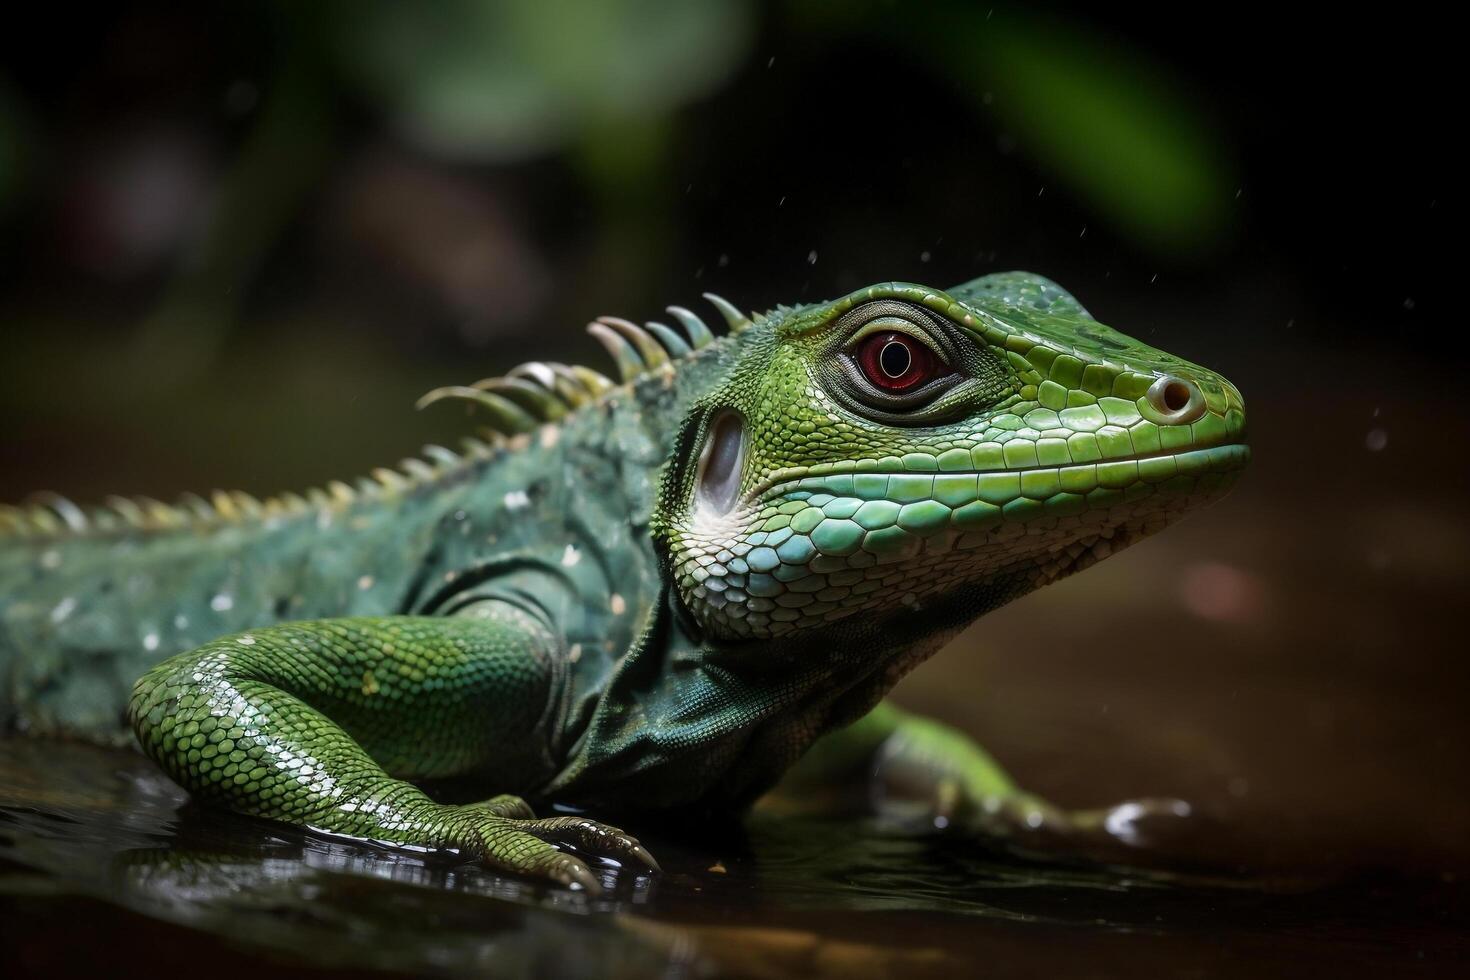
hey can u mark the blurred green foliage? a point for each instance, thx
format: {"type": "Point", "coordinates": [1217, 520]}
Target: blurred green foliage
{"type": "Point", "coordinates": [508, 80]}
{"type": "Point", "coordinates": [495, 81]}
{"type": "Point", "coordinates": [1100, 116]}
{"type": "Point", "coordinates": [282, 159]}
{"type": "Point", "coordinates": [560, 141]}
{"type": "Point", "coordinates": [1107, 121]}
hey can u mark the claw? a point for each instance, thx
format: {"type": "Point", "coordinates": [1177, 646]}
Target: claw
{"type": "Point", "coordinates": [595, 838]}
{"type": "Point", "coordinates": [948, 802]}
{"type": "Point", "coordinates": [573, 873]}
{"type": "Point", "coordinates": [583, 878]}
{"type": "Point", "coordinates": [641, 853]}
{"type": "Point", "coordinates": [1122, 821]}
{"type": "Point", "coordinates": [507, 836]}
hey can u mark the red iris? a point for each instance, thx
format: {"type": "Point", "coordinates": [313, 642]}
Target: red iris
{"type": "Point", "coordinates": [895, 361]}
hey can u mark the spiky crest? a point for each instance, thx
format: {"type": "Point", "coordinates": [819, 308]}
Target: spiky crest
{"type": "Point", "coordinates": [527, 397]}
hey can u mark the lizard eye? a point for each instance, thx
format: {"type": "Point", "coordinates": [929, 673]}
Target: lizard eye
{"type": "Point", "coordinates": [897, 363]}
{"type": "Point", "coordinates": [894, 361]}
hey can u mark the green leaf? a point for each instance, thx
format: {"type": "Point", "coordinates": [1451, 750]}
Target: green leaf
{"type": "Point", "coordinates": [511, 79]}
{"type": "Point", "coordinates": [1110, 123]}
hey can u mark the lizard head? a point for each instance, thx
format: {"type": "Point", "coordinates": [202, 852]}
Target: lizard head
{"type": "Point", "coordinates": [902, 443]}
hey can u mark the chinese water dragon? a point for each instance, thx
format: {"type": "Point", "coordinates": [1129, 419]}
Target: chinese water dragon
{"type": "Point", "coordinates": [651, 594]}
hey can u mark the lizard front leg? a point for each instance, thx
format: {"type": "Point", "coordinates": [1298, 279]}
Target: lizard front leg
{"type": "Point", "coordinates": [322, 724]}
{"type": "Point", "coordinates": [891, 753]}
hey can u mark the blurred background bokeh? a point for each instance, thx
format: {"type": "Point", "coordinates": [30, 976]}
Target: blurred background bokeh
{"type": "Point", "coordinates": [238, 240]}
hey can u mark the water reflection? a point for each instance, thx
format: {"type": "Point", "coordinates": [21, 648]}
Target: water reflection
{"type": "Point", "coordinates": [838, 897]}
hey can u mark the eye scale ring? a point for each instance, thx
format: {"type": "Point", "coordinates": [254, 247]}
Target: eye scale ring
{"type": "Point", "coordinates": [895, 363]}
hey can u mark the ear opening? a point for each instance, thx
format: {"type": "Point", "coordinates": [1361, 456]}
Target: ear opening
{"type": "Point", "coordinates": [721, 464]}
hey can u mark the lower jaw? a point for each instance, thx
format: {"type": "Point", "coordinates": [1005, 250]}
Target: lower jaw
{"type": "Point", "coordinates": [1042, 538]}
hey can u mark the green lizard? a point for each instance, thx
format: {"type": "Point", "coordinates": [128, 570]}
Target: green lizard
{"type": "Point", "coordinates": [656, 594]}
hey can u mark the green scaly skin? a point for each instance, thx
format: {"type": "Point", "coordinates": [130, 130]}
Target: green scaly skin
{"type": "Point", "coordinates": [602, 608]}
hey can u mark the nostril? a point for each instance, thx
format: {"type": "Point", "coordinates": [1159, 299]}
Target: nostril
{"type": "Point", "coordinates": [1176, 400]}
{"type": "Point", "coordinates": [1176, 395]}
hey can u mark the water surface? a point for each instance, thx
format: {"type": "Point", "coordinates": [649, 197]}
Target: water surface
{"type": "Point", "coordinates": [107, 866]}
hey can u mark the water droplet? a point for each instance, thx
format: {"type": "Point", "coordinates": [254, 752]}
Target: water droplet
{"type": "Point", "coordinates": [63, 609]}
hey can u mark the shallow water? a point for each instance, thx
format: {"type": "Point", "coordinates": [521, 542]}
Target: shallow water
{"type": "Point", "coordinates": [97, 838]}
{"type": "Point", "coordinates": [1294, 672]}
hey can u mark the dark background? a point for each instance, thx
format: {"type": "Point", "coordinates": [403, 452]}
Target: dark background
{"type": "Point", "coordinates": [237, 242]}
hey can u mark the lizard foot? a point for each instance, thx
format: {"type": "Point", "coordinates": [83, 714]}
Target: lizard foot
{"type": "Point", "coordinates": [951, 780]}
{"type": "Point", "coordinates": [505, 833]}
{"type": "Point", "coordinates": [1030, 821]}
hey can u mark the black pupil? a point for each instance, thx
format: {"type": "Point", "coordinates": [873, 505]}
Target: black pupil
{"type": "Point", "coordinates": [895, 358]}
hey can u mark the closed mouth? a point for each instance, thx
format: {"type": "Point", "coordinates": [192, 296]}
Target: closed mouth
{"type": "Point", "coordinates": [1221, 458]}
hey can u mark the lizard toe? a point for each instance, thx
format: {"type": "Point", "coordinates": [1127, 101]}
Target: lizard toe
{"type": "Point", "coordinates": [507, 805]}
{"type": "Point", "coordinates": [570, 871]}
{"type": "Point", "coordinates": [1133, 823]}
{"type": "Point", "coordinates": [511, 845]}
{"type": "Point", "coordinates": [594, 838]}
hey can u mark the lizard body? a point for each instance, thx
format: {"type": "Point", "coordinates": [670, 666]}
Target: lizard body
{"type": "Point", "coordinates": [652, 594]}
